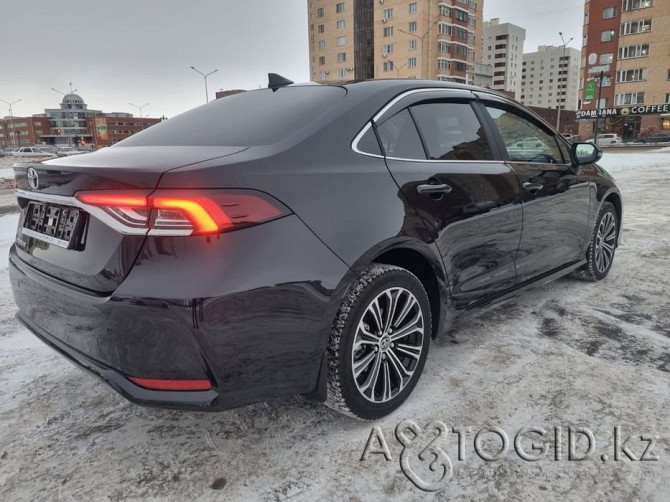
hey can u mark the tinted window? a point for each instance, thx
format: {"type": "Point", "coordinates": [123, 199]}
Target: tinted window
{"type": "Point", "coordinates": [368, 143]}
{"type": "Point", "coordinates": [525, 141]}
{"type": "Point", "coordinates": [250, 118]}
{"type": "Point", "coordinates": [399, 137]}
{"type": "Point", "coordinates": [451, 131]}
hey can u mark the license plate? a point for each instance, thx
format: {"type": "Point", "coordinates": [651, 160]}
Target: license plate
{"type": "Point", "coordinates": [52, 223]}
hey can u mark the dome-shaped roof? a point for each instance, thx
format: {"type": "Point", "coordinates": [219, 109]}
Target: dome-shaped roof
{"type": "Point", "coordinates": [72, 99]}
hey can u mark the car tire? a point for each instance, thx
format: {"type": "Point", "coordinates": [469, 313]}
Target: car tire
{"type": "Point", "coordinates": [372, 371]}
{"type": "Point", "coordinates": [600, 254]}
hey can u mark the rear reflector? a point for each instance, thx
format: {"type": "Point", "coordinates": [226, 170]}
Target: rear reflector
{"type": "Point", "coordinates": [184, 212]}
{"type": "Point", "coordinates": [156, 384]}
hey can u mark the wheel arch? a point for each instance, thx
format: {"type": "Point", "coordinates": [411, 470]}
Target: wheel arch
{"type": "Point", "coordinates": [419, 259]}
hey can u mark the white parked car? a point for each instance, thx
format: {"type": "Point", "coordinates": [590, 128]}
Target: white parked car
{"type": "Point", "coordinates": [31, 151]}
{"type": "Point", "coordinates": [608, 139]}
{"type": "Point", "coordinates": [68, 150]}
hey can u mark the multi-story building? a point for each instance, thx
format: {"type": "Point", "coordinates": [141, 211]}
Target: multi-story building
{"type": "Point", "coordinates": [110, 128]}
{"type": "Point", "coordinates": [502, 47]}
{"type": "Point", "coordinates": [358, 39]}
{"type": "Point", "coordinates": [23, 131]}
{"type": "Point", "coordinates": [550, 77]}
{"type": "Point", "coordinates": [625, 43]}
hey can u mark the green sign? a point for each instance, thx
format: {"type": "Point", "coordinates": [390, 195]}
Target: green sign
{"type": "Point", "coordinates": [590, 91]}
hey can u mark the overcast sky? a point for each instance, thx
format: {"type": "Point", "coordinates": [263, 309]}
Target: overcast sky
{"type": "Point", "coordinates": [140, 51]}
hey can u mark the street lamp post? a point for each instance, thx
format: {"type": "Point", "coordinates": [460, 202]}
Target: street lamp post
{"type": "Point", "coordinates": [139, 107]}
{"type": "Point", "coordinates": [398, 68]}
{"type": "Point", "coordinates": [558, 115]}
{"type": "Point", "coordinates": [421, 38]}
{"type": "Point", "coordinates": [205, 77]}
{"type": "Point", "coordinates": [11, 116]}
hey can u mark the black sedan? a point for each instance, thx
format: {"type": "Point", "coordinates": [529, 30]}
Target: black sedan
{"type": "Point", "coordinates": [656, 138]}
{"type": "Point", "coordinates": [302, 239]}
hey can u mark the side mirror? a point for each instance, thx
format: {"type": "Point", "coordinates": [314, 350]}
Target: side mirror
{"type": "Point", "coordinates": [586, 153]}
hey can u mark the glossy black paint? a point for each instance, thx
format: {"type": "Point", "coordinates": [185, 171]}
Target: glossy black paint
{"type": "Point", "coordinates": [251, 310]}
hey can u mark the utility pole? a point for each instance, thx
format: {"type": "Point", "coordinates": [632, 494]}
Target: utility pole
{"type": "Point", "coordinates": [139, 107]}
{"type": "Point", "coordinates": [205, 77]}
{"type": "Point", "coordinates": [600, 91]}
{"type": "Point", "coordinates": [424, 61]}
{"type": "Point", "coordinates": [565, 80]}
{"type": "Point", "coordinates": [11, 116]}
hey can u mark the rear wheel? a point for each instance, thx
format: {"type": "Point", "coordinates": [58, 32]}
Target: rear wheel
{"type": "Point", "coordinates": [378, 343]}
{"type": "Point", "coordinates": [600, 255]}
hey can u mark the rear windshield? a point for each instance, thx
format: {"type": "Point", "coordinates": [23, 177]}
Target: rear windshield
{"type": "Point", "coordinates": [251, 118]}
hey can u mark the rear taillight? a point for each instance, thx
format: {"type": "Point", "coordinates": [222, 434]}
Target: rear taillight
{"type": "Point", "coordinates": [182, 212]}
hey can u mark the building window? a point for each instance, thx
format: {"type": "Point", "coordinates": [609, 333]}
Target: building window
{"type": "Point", "coordinates": [341, 57]}
{"type": "Point", "coordinates": [387, 49]}
{"type": "Point", "coordinates": [634, 51]}
{"type": "Point", "coordinates": [607, 35]}
{"type": "Point", "coordinates": [444, 29]}
{"type": "Point", "coordinates": [340, 24]}
{"type": "Point", "coordinates": [388, 65]}
{"type": "Point", "coordinates": [341, 41]}
{"type": "Point", "coordinates": [412, 26]}
{"type": "Point", "coordinates": [342, 72]}
{"type": "Point", "coordinates": [445, 10]}
{"type": "Point", "coordinates": [443, 64]}
{"type": "Point", "coordinates": [321, 28]}
{"type": "Point", "coordinates": [387, 14]}
{"type": "Point", "coordinates": [636, 4]}
{"type": "Point", "coordinates": [322, 60]}
{"type": "Point", "coordinates": [640, 26]}
{"type": "Point", "coordinates": [609, 12]}
{"type": "Point", "coordinates": [606, 58]}
{"type": "Point", "coordinates": [461, 15]}
{"type": "Point", "coordinates": [411, 62]}
{"type": "Point", "coordinates": [631, 75]}
{"type": "Point", "coordinates": [322, 44]}
{"type": "Point", "coordinates": [630, 98]}
{"type": "Point", "coordinates": [411, 45]}
{"type": "Point", "coordinates": [443, 46]}
{"type": "Point", "coordinates": [319, 12]}
{"type": "Point", "coordinates": [667, 97]}
{"type": "Point", "coordinates": [322, 75]}
{"type": "Point", "coordinates": [413, 8]}
{"type": "Point", "coordinates": [339, 7]}
{"type": "Point", "coordinates": [388, 31]}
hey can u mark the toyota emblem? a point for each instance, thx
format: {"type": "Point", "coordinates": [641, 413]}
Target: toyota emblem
{"type": "Point", "coordinates": [33, 178]}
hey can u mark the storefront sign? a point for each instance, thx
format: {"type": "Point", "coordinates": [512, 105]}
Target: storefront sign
{"type": "Point", "coordinates": [622, 112]}
{"type": "Point", "coordinates": [590, 91]}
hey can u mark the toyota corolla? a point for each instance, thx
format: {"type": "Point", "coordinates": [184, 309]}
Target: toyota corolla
{"type": "Point", "coordinates": [302, 239]}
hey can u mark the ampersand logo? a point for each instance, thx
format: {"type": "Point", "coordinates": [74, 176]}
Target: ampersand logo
{"type": "Point", "coordinates": [441, 460]}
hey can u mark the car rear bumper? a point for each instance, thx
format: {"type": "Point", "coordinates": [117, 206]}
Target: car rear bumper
{"type": "Point", "coordinates": [252, 320]}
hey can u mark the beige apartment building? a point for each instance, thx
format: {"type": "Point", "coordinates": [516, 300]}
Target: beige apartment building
{"type": "Point", "coordinates": [361, 39]}
{"type": "Point", "coordinates": [626, 40]}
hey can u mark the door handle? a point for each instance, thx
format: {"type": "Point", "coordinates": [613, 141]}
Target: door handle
{"type": "Point", "coordinates": [532, 187]}
{"type": "Point", "coordinates": [433, 189]}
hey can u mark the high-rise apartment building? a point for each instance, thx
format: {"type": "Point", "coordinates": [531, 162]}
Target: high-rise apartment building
{"type": "Point", "coordinates": [502, 47]}
{"type": "Point", "coordinates": [550, 77]}
{"type": "Point", "coordinates": [355, 39]}
{"type": "Point", "coordinates": [625, 42]}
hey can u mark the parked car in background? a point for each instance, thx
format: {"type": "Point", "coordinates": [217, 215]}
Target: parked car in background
{"type": "Point", "coordinates": [302, 239]}
{"type": "Point", "coordinates": [2, 153]}
{"type": "Point", "coordinates": [570, 137]}
{"type": "Point", "coordinates": [46, 148]}
{"type": "Point", "coordinates": [29, 151]}
{"type": "Point", "coordinates": [69, 150]}
{"type": "Point", "coordinates": [660, 137]}
{"type": "Point", "coordinates": [606, 139]}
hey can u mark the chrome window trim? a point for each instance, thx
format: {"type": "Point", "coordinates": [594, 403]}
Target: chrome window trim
{"type": "Point", "coordinates": [463, 92]}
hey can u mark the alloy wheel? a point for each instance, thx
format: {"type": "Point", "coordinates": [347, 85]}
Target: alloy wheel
{"type": "Point", "coordinates": [387, 345]}
{"type": "Point", "coordinates": [605, 242]}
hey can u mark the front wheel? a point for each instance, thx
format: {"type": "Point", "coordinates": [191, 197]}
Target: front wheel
{"type": "Point", "coordinates": [600, 254]}
{"type": "Point", "coordinates": [378, 343]}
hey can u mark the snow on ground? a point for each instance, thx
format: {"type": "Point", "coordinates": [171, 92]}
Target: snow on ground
{"type": "Point", "coordinates": [567, 354]}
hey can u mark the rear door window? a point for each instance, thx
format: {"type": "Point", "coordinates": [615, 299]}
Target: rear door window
{"type": "Point", "coordinates": [451, 131]}
{"type": "Point", "coordinates": [399, 137]}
